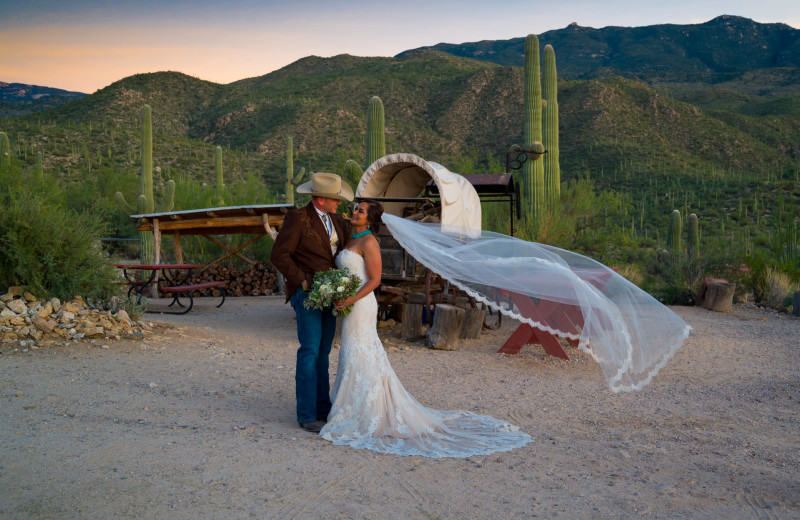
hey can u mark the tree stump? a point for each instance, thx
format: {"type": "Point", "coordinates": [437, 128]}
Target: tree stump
{"type": "Point", "coordinates": [473, 323]}
{"type": "Point", "coordinates": [446, 329]}
{"type": "Point", "coordinates": [796, 304]}
{"type": "Point", "coordinates": [718, 296]}
{"type": "Point", "coordinates": [411, 321]}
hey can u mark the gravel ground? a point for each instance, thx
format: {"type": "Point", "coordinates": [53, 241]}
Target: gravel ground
{"type": "Point", "coordinates": [197, 421]}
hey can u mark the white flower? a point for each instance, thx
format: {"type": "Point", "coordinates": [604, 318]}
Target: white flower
{"type": "Point", "coordinates": [345, 280]}
{"type": "Point", "coordinates": [340, 289]}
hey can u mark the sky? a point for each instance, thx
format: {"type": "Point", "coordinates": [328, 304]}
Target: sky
{"type": "Point", "coordinates": [85, 45]}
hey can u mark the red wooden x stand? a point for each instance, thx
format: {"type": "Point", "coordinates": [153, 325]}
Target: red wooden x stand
{"type": "Point", "coordinates": [562, 316]}
{"type": "Point", "coordinates": [539, 311]}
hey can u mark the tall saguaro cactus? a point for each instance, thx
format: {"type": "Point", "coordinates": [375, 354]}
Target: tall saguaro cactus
{"type": "Point", "coordinates": [674, 232]}
{"type": "Point", "coordinates": [5, 154]}
{"type": "Point", "coordinates": [533, 171]}
{"type": "Point", "coordinates": [693, 246]}
{"type": "Point", "coordinates": [292, 180]}
{"type": "Point", "coordinates": [145, 202]}
{"type": "Point", "coordinates": [219, 184]}
{"type": "Point", "coordinates": [376, 139]}
{"type": "Point", "coordinates": [552, 169]}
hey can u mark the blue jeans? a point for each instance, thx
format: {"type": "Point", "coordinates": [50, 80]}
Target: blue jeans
{"type": "Point", "coordinates": [315, 330]}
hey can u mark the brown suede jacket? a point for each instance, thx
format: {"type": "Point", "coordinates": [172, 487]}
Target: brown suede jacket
{"type": "Point", "coordinates": [302, 246]}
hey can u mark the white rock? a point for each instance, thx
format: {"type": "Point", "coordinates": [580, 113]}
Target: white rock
{"type": "Point", "coordinates": [18, 306]}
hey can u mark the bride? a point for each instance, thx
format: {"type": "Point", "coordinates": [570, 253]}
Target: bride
{"type": "Point", "coordinates": [371, 409]}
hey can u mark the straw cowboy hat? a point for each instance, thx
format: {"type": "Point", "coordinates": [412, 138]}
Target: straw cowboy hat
{"type": "Point", "coordinates": [327, 185]}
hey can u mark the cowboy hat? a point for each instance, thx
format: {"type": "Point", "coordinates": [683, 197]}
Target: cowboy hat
{"type": "Point", "coordinates": [327, 185]}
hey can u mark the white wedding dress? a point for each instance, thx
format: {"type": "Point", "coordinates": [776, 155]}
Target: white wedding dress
{"type": "Point", "coordinates": [372, 410]}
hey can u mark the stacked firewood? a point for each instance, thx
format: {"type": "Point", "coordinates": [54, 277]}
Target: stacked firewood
{"type": "Point", "coordinates": [260, 279]}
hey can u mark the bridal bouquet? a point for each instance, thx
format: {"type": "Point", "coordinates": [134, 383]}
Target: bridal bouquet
{"type": "Point", "coordinates": [332, 285]}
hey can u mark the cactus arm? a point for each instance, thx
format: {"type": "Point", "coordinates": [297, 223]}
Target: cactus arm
{"type": "Point", "coordinates": [168, 202]}
{"type": "Point", "coordinates": [123, 204]}
{"type": "Point", "coordinates": [353, 171]}
{"type": "Point", "coordinates": [299, 176]}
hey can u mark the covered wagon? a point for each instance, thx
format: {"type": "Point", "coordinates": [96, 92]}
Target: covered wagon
{"type": "Point", "coordinates": [412, 188]}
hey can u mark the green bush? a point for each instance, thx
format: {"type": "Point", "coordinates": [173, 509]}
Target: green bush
{"type": "Point", "coordinates": [49, 249]}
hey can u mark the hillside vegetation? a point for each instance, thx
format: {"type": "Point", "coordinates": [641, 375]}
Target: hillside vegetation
{"type": "Point", "coordinates": [727, 150]}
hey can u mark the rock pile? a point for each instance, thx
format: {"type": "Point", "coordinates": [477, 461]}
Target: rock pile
{"type": "Point", "coordinates": [26, 320]}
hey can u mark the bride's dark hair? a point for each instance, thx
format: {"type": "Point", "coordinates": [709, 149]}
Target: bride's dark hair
{"type": "Point", "coordinates": [374, 214]}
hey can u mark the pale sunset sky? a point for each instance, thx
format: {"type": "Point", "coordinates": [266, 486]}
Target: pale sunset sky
{"type": "Point", "coordinates": [85, 45]}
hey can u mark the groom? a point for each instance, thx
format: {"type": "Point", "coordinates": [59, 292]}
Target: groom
{"type": "Point", "coordinates": [308, 241]}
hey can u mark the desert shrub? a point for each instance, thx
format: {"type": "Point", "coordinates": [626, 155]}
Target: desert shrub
{"type": "Point", "coordinates": [674, 278]}
{"type": "Point", "coordinates": [631, 272]}
{"type": "Point", "coordinates": [772, 287]}
{"type": "Point", "coordinates": [51, 250]}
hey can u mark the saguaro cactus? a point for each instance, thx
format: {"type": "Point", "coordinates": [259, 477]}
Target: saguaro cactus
{"type": "Point", "coordinates": [38, 168]}
{"type": "Point", "coordinates": [693, 246]}
{"type": "Point", "coordinates": [376, 139]}
{"type": "Point", "coordinates": [145, 202]}
{"type": "Point", "coordinates": [292, 180]}
{"type": "Point", "coordinates": [5, 154]}
{"type": "Point", "coordinates": [220, 185]}
{"type": "Point", "coordinates": [533, 171]}
{"type": "Point", "coordinates": [552, 169]}
{"type": "Point", "coordinates": [674, 232]}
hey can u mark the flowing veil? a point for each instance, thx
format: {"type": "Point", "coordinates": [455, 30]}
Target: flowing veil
{"type": "Point", "coordinates": [628, 332]}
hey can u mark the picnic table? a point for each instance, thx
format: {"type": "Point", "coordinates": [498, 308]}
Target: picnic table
{"type": "Point", "coordinates": [175, 282]}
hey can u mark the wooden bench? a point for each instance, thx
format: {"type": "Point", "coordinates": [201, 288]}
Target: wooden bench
{"type": "Point", "coordinates": [177, 290]}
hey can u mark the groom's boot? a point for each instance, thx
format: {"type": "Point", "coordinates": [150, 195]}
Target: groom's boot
{"type": "Point", "coordinates": [312, 426]}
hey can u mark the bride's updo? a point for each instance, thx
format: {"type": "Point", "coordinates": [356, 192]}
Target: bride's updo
{"type": "Point", "coordinates": [374, 214]}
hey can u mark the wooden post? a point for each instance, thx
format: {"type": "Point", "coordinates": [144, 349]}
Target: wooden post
{"type": "Point", "coordinates": [156, 242]}
{"type": "Point", "coordinates": [269, 229]}
{"type": "Point", "coordinates": [411, 321]}
{"type": "Point", "coordinates": [176, 239]}
{"type": "Point", "coordinates": [796, 304]}
{"type": "Point", "coordinates": [446, 329]}
{"type": "Point", "coordinates": [473, 323]}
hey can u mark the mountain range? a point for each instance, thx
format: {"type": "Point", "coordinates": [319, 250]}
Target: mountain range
{"type": "Point", "coordinates": [719, 98]}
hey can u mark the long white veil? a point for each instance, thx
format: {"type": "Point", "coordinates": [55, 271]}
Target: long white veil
{"type": "Point", "coordinates": [628, 332]}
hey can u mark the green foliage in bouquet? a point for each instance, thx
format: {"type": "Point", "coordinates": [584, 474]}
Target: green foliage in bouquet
{"type": "Point", "coordinates": [330, 286]}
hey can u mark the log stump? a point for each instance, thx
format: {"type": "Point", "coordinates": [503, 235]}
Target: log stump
{"type": "Point", "coordinates": [473, 323]}
{"type": "Point", "coordinates": [446, 329]}
{"type": "Point", "coordinates": [718, 296]}
{"type": "Point", "coordinates": [411, 321]}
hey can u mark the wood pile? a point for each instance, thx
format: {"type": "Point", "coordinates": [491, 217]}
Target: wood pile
{"type": "Point", "coordinates": [260, 279]}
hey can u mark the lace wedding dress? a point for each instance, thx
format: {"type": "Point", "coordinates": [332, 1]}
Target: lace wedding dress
{"type": "Point", "coordinates": [372, 410]}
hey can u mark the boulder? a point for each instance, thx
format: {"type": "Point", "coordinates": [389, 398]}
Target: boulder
{"type": "Point", "coordinates": [18, 306]}
{"type": "Point", "coordinates": [45, 310]}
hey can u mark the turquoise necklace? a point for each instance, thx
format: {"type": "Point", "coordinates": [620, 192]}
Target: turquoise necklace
{"type": "Point", "coordinates": [363, 233]}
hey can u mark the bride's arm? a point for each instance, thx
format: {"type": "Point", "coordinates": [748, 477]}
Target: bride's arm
{"type": "Point", "coordinates": [372, 262]}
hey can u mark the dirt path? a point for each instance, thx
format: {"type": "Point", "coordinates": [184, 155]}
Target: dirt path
{"type": "Point", "coordinates": [197, 421]}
